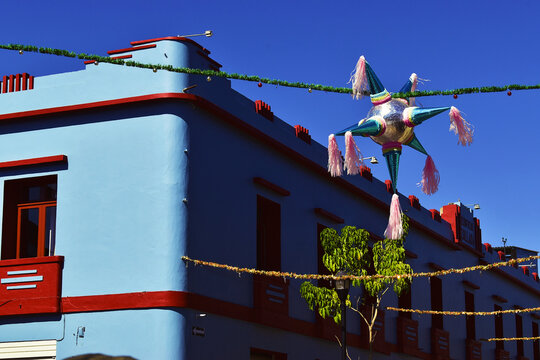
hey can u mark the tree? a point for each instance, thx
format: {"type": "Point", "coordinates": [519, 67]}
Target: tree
{"type": "Point", "coordinates": [349, 252]}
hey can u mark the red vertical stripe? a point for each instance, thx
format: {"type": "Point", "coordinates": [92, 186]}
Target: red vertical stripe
{"type": "Point", "coordinates": [24, 81]}
{"type": "Point", "coordinates": [11, 83]}
{"type": "Point", "coordinates": [4, 84]}
{"type": "Point", "coordinates": [31, 83]}
{"type": "Point", "coordinates": [18, 82]}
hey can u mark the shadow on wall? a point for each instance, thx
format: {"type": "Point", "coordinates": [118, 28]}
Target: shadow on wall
{"type": "Point", "coordinates": [99, 357]}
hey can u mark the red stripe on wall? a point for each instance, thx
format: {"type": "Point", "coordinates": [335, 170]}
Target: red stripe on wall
{"type": "Point", "coordinates": [34, 161]}
{"type": "Point", "coordinates": [122, 57]}
{"type": "Point", "coordinates": [4, 84]}
{"type": "Point", "coordinates": [18, 82]}
{"type": "Point", "coordinates": [135, 48]}
{"type": "Point", "coordinates": [30, 83]}
{"type": "Point", "coordinates": [180, 299]}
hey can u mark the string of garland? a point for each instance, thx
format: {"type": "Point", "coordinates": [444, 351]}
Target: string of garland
{"type": "Point", "coordinates": [459, 313]}
{"type": "Point", "coordinates": [254, 78]}
{"type": "Point", "coordinates": [514, 339]}
{"type": "Point", "coordinates": [292, 275]}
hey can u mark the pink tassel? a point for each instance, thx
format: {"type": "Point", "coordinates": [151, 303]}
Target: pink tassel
{"type": "Point", "coordinates": [394, 230]}
{"type": "Point", "coordinates": [414, 80]}
{"type": "Point", "coordinates": [430, 177]}
{"type": "Point", "coordinates": [461, 127]}
{"type": "Point", "coordinates": [359, 79]}
{"type": "Point", "coordinates": [335, 162]}
{"type": "Point", "coordinates": [352, 160]}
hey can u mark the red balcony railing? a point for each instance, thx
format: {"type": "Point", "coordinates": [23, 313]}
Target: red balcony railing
{"type": "Point", "coordinates": [502, 354]}
{"type": "Point", "coordinates": [271, 295]}
{"type": "Point", "coordinates": [31, 285]}
{"type": "Point", "coordinates": [407, 335]}
{"type": "Point", "coordinates": [440, 344]}
{"type": "Point", "coordinates": [474, 349]}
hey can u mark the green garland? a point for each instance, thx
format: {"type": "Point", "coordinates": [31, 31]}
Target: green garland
{"type": "Point", "coordinates": [342, 90]}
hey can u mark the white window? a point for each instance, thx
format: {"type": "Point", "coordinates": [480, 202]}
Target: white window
{"type": "Point", "coordinates": [35, 350]}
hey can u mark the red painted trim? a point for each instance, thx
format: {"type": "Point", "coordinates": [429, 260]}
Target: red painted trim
{"type": "Point", "coordinates": [267, 184]}
{"type": "Point", "coordinates": [135, 48]}
{"type": "Point", "coordinates": [11, 83]}
{"type": "Point", "coordinates": [180, 299]}
{"type": "Point", "coordinates": [212, 61]}
{"type": "Point", "coordinates": [172, 38]}
{"type": "Point", "coordinates": [87, 62]}
{"type": "Point", "coordinates": [436, 267]}
{"type": "Point", "coordinates": [31, 261]}
{"type": "Point", "coordinates": [329, 215]}
{"type": "Point", "coordinates": [242, 125]}
{"type": "Point", "coordinates": [499, 298]}
{"type": "Point", "coordinates": [410, 254]}
{"type": "Point", "coordinates": [18, 82]}
{"type": "Point", "coordinates": [470, 284]}
{"type": "Point", "coordinates": [122, 57]}
{"type": "Point", "coordinates": [25, 81]}
{"type": "Point", "coordinates": [42, 299]}
{"type": "Point", "coordinates": [34, 161]}
{"type": "Point", "coordinates": [4, 84]}
{"type": "Point", "coordinates": [30, 83]}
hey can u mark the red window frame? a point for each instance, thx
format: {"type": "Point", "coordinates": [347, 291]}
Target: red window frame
{"type": "Point", "coordinates": [42, 208]}
{"type": "Point", "coordinates": [436, 302]}
{"type": "Point", "coordinates": [499, 328]}
{"type": "Point", "coordinates": [268, 234]}
{"type": "Point", "coordinates": [19, 195]}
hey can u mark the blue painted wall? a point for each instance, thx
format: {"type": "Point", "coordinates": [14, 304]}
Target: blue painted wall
{"type": "Point", "coordinates": [123, 226]}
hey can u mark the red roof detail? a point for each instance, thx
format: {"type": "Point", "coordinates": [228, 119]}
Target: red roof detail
{"type": "Point", "coordinates": [111, 52]}
{"type": "Point", "coordinates": [173, 38]}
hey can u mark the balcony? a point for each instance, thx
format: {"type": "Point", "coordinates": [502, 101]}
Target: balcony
{"type": "Point", "coordinates": [501, 354]}
{"type": "Point", "coordinates": [407, 335]}
{"type": "Point", "coordinates": [271, 298]}
{"type": "Point", "coordinates": [440, 344]}
{"type": "Point", "coordinates": [474, 349]}
{"type": "Point", "coordinates": [31, 285]}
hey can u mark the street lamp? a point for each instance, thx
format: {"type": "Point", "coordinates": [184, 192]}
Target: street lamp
{"type": "Point", "coordinates": [372, 159]}
{"type": "Point", "coordinates": [342, 289]}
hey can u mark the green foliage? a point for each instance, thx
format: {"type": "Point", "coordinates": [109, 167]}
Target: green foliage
{"type": "Point", "coordinates": [350, 252]}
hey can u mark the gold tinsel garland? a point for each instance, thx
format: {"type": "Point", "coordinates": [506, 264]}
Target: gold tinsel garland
{"type": "Point", "coordinates": [514, 339]}
{"type": "Point", "coordinates": [479, 313]}
{"type": "Point", "coordinates": [292, 275]}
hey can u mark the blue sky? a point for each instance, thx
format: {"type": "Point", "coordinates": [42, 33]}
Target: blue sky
{"type": "Point", "coordinates": [453, 44]}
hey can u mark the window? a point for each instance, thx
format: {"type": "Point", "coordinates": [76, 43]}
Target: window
{"type": "Point", "coordinates": [38, 349]}
{"type": "Point", "coordinates": [436, 302]}
{"type": "Point", "coordinates": [29, 217]}
{"type": "Point", "coordinates": [469, 319]}
{"type": "Point", "coordinates": [268, 234]}
{"type": "Point", "coordinates": [499, 345]}
{"type": "Point", "coordinates": [519, 333]}
{"type": "Point", "coordinates": [405, 302]}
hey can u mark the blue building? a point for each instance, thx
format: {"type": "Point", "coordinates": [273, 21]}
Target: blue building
{"type": "Point", "coordinates": [111, 174]}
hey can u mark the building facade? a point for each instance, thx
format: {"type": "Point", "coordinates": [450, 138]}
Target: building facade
{"type": "Point", "coordinates": [111, 174]}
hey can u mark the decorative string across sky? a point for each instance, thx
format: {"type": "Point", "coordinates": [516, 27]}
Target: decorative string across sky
{"type": "Point", "coordinates": [292, 275]}
{"type": "Point", "coordinates": [261, 80]}
{"type": "Point", "coordinates": [460, 313]}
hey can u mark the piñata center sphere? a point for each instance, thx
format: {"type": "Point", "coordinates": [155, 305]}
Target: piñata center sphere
{"type": "Point", "coordinates": [392, 113]}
